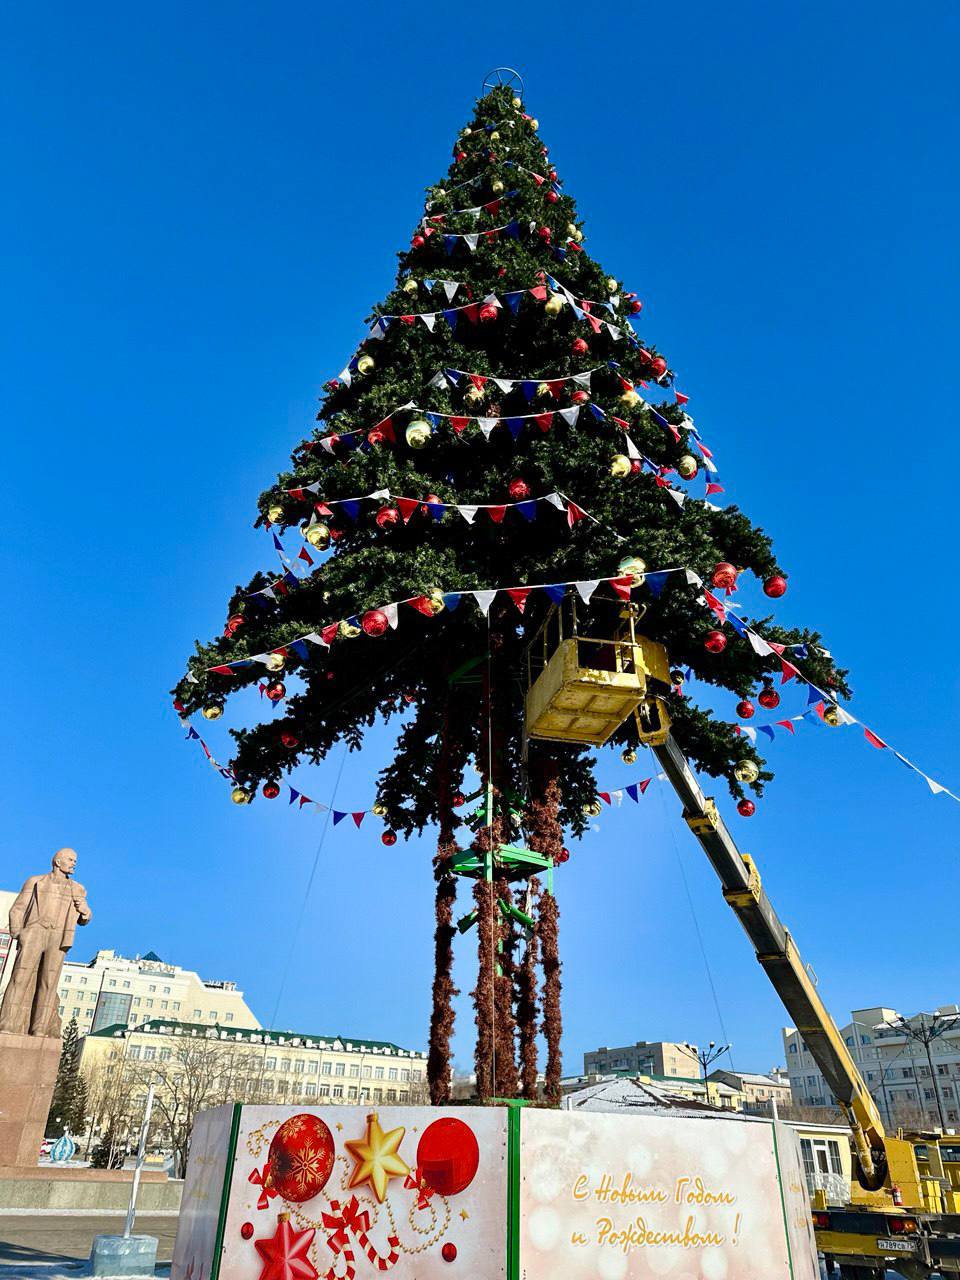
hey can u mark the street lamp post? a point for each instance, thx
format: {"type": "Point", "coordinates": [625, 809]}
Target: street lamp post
{"type": "Point", "coordinates": [706, 1057]}
{"type": "Point", "coordinates": [925, 1032]}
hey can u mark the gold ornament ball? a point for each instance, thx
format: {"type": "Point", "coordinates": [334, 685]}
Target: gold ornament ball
{"type": "Point", "coordinates": [612, 285]}
{"type": "Point", "coordinates": [831, 715]}
{"type": "Point", "coordinates": [365, 364]}
{"type": "Point", "coordinates": [239, 796]}
{"type": "Point", "coordinates": [633, 567]}
{"type": "Point", "coordinates": [534, 125]}
{"type": "Point", "coordinates": [417, 434]}
{"type": "Point", "coordinates": [543, 390]}
{"type": "Point", "coordinates": [274, 662]}
{"type": "Point", "coordinates": [346, 630]}
{"type": "Point", "coordinates": [274, 514]}
{"type": "Point", "coordinates": [474, 395]}
{"type": "Point", "coordinates": [495, 136]}
{"type": "Point", "coordinates": [628, 755]}
{"type": "Point", "coordinates": [592, 809]}
{"type": "Point", "coordinates": [687, 466]}
{"type": "Point", "coordinates": [620, 466]}
{"type": "Point", "coordinates": [630, 398]}
{"type": "Point", "coordinates": [517, 103]}
{"type": "Point", "coordinates": [466, 133]}
{"type": "Point", "coordinates": [318, 535]}
{"type": "Point", "coordinates": [410, 285]}
{"type": "Point", "coordinates": [746, 771]}
{"type": "Point", "coordinates": [213, 712]}
{"type": "Point", "coordinates": [496, 186]}
{"type": "Point", "coordinates": [380, 810]}
{"type": "Point", "coordinates": [554, 304]}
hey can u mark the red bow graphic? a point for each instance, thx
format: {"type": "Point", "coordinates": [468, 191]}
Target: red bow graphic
{"type": "Point", "coordinates": [417, 1182]}
{"type": "Point", "coordinates": [340, 1221]}
{"type": "Point", "coordinates": [262, 1180]}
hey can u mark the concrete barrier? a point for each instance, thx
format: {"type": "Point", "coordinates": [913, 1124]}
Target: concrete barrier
{"type": "Point", "coordinates": [92, 1189]}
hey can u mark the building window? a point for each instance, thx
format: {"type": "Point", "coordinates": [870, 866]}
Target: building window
{"type": "Point", "coordinates": [164, 1055]}
{"type": "Point", "coordinates": [228, 1017]}
{"type": "Point", "coordinates": [338, 1090]}
{"type": "Point", "coordinates": [311, 1091]}
{"type": "Point", "coordinates": [197, 1014]}
{"type": "Point", "coordinates": [366, 1073]}
{"type": "Point", "coordinates": [324, 1091]}
{"type": "Point", "coordinates": [355, 1070]}
{"type": "Point", "coordinates": [126, 985]}
{"type": "Point", "coordinates": [791, 1048]}
{"type": "Point", "coordinates": [176, 1006]}
{"type": "Point", "coordinates": [378, 1073]}
{"type": "Point", "coordinates": [149, 1053]}
{"type": "Point", "coordinates": [312, 1068]}
{"type": "Point", "coordinates": [213, 1014]}
{"type": "Point", "coordinates": [392, 1073]}
{"type": "Point", "coordinates": [298, 1067]}
{"type": "Point", "coordinates": [326, 1068]}
{"type": "Point", "coordinates": [285, 1064]}
{"type": "Point", "coordinates": [339, 1069]}
{"type": "Point", "coordinates": [270, 1064]}
{"type": "Point", "coordinates": [378, 1095]}
{"type": "Point", "coordinates": [391, 1095]}
{"type": "Point", "coordinates": [76, 1013]}
{"type": "Point", "coordinates": [133, 1051]}
{"type": "Point", "coordinates": [152, 986]}
{"type": "Point", "coordinates": [405, 1075]}
{"type": "Point", "coordinates": [164, 1004]}
{"type": "Point", "coordinates": [352, 1093]}
{"type": "Point", "coordinates": [166, 991]}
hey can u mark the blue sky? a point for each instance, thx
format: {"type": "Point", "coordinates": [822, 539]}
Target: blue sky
{"type": "Point", "coordinates": [202, 202]}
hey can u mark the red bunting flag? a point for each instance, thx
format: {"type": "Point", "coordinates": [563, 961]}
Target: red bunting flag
{"type": "Point", "coordinates": [604, 796]}
{"type": "Point", "coordinates": [539, 292]}
{"type": "Point", "coordinates": [305, 555]}
{"type": "Point", "coordinates": [788, 725]}
{"type": "Point", "coordinates": [471, 311]}
{"type": "Point", "coordinates": [519, 596]}
{"type": "Point", "coordinates": [574, 513]}
{"type": "Point", "coordinates": [407, 319]}
{"type": "Point", "coordinates": [713, 488]}
{"type": "Point", "coordinates": [644, 784]}
{"type": "Point", "coordinates": [359, 817]}
{"type": "Point", "coordinates": [496, 514]}
{"type": "Point", "coordinates": [627, 386]}
{"type": "Point", "coordinates": [305, 800]}
{"type": "Point", "coordinates": [556, 387]}
{"type": "Point", "coordinates": [386, 429]}
{"type": "Point", "coordinates": [328, 633]}
{"type": "Point", "coordinates": [777, 647]}
{"type": "Point", "coordinates": [297, 494]}
{"type": "Point", "coordinates": [422, 605]}
{"type": "Point", "coordinates": [478, 380]}
{"type": "Point", "coordinates": [872, 738]}
{"type": "Point", "coordinates": [622, 586]}
{"type": "Point", "coordinates": [322, 509]}
{"type": "Point", "coordinates": [223, 671]}
{"type": "Point", "coordinates": [538, 178]}
{"type": "Point", "coordinates": [789, 671]}
{"type": "Point", "coordinates": [490, 236]}
{"type": "Point", "coordinates": [704, 450]}
{"type": "Point", "coordinates": [544, 421]}
{"type": "Point", "coordinates": [406, 507]}
{"type": "Point", "coordinates": [459, 424]}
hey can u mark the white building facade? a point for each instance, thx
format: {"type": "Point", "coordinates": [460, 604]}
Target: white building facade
{"type": "Point", "coordinates": [908, 1087]}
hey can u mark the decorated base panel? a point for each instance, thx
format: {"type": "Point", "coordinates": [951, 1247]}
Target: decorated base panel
{"type": "Point", "coordinates": [614, 1197]}
{"type": "Point", "coordinates": [345, 1193]}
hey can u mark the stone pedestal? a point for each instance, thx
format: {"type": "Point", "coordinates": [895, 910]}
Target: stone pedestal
{"type": "Point", "coordinates": [28, 1072]}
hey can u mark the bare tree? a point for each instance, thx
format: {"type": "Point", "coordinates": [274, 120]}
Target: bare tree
{"type": "Point", "coordinates": [188, 1079]}
{"type": "Point", "coordinates": [109, 1100]}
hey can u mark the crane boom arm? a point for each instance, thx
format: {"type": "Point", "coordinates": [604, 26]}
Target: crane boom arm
{"type": "Point", "coordinates": [778, 954]}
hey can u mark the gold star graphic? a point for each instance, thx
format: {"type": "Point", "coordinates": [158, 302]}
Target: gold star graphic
{"type": "Point", "coordinates": [339, 1128]}
{"type": "Point", "coordinates": [376, 1158]}
{"type": "Point", "coordinates": [464, 1215]}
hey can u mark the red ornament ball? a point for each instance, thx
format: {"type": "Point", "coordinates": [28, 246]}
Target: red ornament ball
{"type": "Point", "coordinates": [459, 800]}
{"type": "Point", "coordinates": [448, 1155]}
{"type": "Point", "coordinates": [580, 397]}
{"type": "Point", "coordinates": [636, 306]}
{"type": "Point", "coordinates": [745, 709]}
{"type": "Point", "coordinates": [488, 311]}
{"type": "Point", "coordinates": [417, 242]}
{"type": "Point", "coordinates": [724, 575]}
{"type": "Point", "coordinates": [246, 1231]}
{"type": "Point", "coordinates": [461, 155]}
{"type": "Point", "coordinates": [579, 346]}
{"type": "Point", "coordinates": [518, 489]}
{"type": "Point", "coordinates": [289, 740]}
{"type": "Point", "coordinates": [301, 1158]}
{"type": "Point", "coordinates": [449, 1252]}
{"type": "Point", "coordinates": [375, 622]}
{"type": "Point", "coordinates": [545, 233]}
{"type": "Point", "coordinates": [388, 838]}
{"type": "Point", "coordinates": [659, 366]}
{"type": "Point", "coordinates": [636, 466]}
{"type": "Point", "coordinates": [775, 586]}
{"type": "Point", "coordinates": [552, 197]}
{"type": "Point", "coordinates": [715, 642]}
{"type": "Point", "coordinates": [746, 808]}
{"type": "Point", "coordinates": [234, 622]}
{"type": "Point", "coordinates": [563, 855]}
{"type": "Point", "coordinates": [375, 436]}
{"type": "Point", "coordinates": [769, 698]}
{"type": "Point", "coordinates": [275, 691]}
{"type": "Point", "coordinates": [552, 175]}
{"type": "Point", "coordinates": [271, 790]}
{"type": "Point", "coordinates": [387, 517]}
{"type": "Point", "coordinates": [433, 500]}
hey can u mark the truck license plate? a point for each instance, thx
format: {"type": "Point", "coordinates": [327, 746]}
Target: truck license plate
{"type": "Point", "coordinates": [896, 1246]}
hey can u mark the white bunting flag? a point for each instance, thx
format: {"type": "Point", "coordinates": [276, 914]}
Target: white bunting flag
{"type": "Point", "coordinates": [484, 599]}
{"type": "Point", "coordinates": [632, 450]}
{"type": "Point", "coordinates": [505, 384]}
{"type": "Point", "coordinates": [486, 425]}
{"type": "Point", "coordinates": [555, 501]}
{"type": "Point", "coordinates": [472, 240]}
{"type": "Point", "coordinates": [570, 415]}
{"type": "Point", "coordinates": [758, 644]}
{"type": "Point", "coordinates": [438, 379]}
{"type": "Point", "coordinates": [583, 379]}
{"type": "Point", "coordinates": [693, 579]}
{"type": "Point", "coordinates": [678, 497]}
{"type": "Point", "coordinates": [391, 611]}
{"type": "Point", "coordinates": [345, 376]}
{"type": "Point", "coordinates": [450, 287]}
{"type": "Point", "coordinates": [614, 331]}
{"type": "Point", "coordinates": [469, 513]}
{"type": "Point", "coordinates": [587, 589]}
{"type": "Point", "coordinates": [429, 319]}
{"type": "Point", "coordinates": [748, 732]}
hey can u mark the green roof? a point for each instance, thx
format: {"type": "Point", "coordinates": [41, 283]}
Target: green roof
{"type": "Point", "coordinates": [248, 1033]}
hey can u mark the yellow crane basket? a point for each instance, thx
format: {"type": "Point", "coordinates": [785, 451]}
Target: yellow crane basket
{"type": "Point", "coordinates": [581, 688]}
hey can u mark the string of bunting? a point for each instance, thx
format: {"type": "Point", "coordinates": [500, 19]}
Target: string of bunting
{"type": "Point", "coordinates": [437, 508]}
{"type": "Point", "coordinates": [538, 178]}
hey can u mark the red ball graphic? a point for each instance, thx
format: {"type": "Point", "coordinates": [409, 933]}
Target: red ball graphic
{"type": "Point", "coordinates": [745, 709]}
{"type": "Point", "coordinates": [715, 641]}
{"type": "Point", "coordinates": [301, 1158]}
{"type": "Point", "coordinates": [271, 790]}
{"type": "Point", "coordinates": [247, 1230]}
{"type": "Point", "coordinates": [746, 808]}
{"type": "Point", "coordinates": [769, 698]}
{"type": "Point", "coordinates": [449, 1252]}
{"type": "Point", "coordinates": [388, 838]}
{"type": "Point", "coordinates": [775, 586]}
{"type": "Point", "coordinates": [448, 1155]}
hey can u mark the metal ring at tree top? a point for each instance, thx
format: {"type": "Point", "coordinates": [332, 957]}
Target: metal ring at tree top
{"type": "Point", "coordinates": [504, 75]}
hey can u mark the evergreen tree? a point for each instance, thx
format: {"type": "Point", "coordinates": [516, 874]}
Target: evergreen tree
{"type": "Point", "coordinates": [68, 1105]}
{"type": "Point", "coordinates": [516, 386]}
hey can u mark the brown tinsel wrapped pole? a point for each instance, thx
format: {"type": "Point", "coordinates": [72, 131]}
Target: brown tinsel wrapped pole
{"type": "Point", "coordinates": [526, 996]}
{"type": "Point", "coordinates": [442, 1014]}
{"type": "Point", "coordinates": [484, 997]}
{"type": "Point", "coordinates": [505, 1028]}
{"type": "Point", "coordinates": [547, 838]}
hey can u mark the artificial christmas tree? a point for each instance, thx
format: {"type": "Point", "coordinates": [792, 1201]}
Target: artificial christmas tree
{"type": "Point", "coordinates": [485, 462]}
